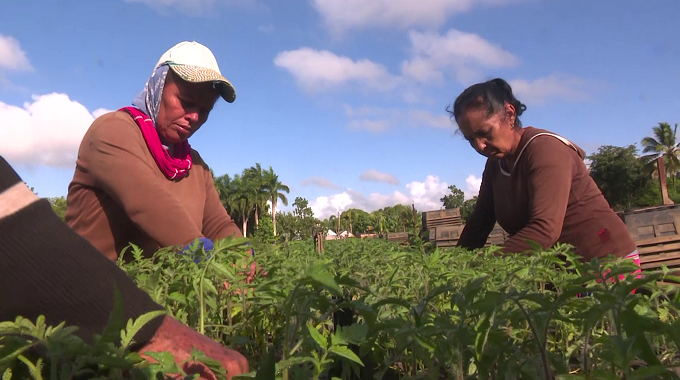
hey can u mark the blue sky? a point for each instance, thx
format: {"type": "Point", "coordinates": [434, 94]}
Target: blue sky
{"type": "Point", "coordinates": [345, 99]}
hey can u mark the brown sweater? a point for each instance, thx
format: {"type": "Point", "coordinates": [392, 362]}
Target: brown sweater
{"type": "Point", "coordinates": [119, 196]}
{"type": "Point", "coordinates": [549, 197]}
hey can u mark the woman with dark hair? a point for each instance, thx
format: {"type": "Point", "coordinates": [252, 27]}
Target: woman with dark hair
{"type": "Point", "coordinates": [535, 183]}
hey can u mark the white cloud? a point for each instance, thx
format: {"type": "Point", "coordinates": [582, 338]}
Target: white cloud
{"type": "Point", "coordinates": [472, 185]}
{"type": "Point", "coordinates": [323, 207]}
{"type": "Point", "coordinates": [373, 175]}
{"type": "Point", "coordinates": [370, 125]}
{"type": "Point", "coordinates": [322, 70]}
{"type": "Point", "coordinates": [423, 118]}
{"type": "Point", "coordinates": [424, 195]}
{"type": "Point", "coordinates": [427, 194]}
{"type": "Point", "coordinates": [458, 54]}
{"type": "Point", "coordinates": [377, 119]}
{"type": "Point", "coordinates": [422, 70]}
{"type": "Point", "coordinates": [319, 182]}
{"type": "Point", "coordinates": [341, 15]}
{"type": "Point", "coordinates": [12, 56]}
{"type": "Point", "coordinates": [46, 132]}
{"type": "Point", "coordinates": [562, 87]}
{"type": "Point", "coordinates": [465, 54]}
{"type": "Point", "coordinates": [266, 29]}
{"type": "Point", "coordinates": [192, 7]}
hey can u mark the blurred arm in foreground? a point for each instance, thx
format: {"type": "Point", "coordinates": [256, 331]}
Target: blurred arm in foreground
{"type": "Point", "coordinates": [47, 269]}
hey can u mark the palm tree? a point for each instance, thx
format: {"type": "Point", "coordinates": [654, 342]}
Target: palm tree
{"type": "Point", "coordinates": [238, 196]}
{"type": "Point", "coordinates": [663, 144]}
{"type": "Point", "coordinates": [243, 197]}
{"type": "Point", "coordinates": [332, 223]}
{"type": "Point", "coordinates": [255, 175]}
{"type": "Point", "coordinates": [275, 191]}
{"type": "Point", "coordinates": [222, 185]}
{"type": "Point", "coordinates": [346, 220]}
{"type": "Point", "coordinates": [377, 218]}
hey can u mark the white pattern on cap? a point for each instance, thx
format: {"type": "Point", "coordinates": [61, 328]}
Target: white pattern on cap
{"type": "Point", "coordinates": [195, 63]}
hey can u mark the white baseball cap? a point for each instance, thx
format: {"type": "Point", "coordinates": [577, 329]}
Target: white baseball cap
{"type": "Point", "coordinates": [195, 63]}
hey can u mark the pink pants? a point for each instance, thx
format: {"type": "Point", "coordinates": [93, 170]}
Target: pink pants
{"type": "Point", "coordinates": [635, 256]}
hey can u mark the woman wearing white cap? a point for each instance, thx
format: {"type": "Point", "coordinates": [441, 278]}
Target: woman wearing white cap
{"type": "Point", "coordinates": [137, 180]}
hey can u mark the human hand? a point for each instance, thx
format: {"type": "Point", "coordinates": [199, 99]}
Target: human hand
{"type": "Point", "coordinates": [178, 339]}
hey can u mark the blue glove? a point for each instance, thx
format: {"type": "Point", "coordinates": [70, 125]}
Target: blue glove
{"type": "Point", "coordinates": [252, 250]}
{"type": "Point", "coordinates": [207, 248]}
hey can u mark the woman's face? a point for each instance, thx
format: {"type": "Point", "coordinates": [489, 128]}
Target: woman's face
{"type": "Point", "coordinates": [184, 108]}
{"type": "Point", "coordinates": [493, 137]}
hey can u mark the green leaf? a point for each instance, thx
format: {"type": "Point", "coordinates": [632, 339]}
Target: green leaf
{"type": "Point", "coordinates": [133, 328]}
{"type": "Point", "coordinates": [423, 342]}
{"type": "Point", "coordinates": [224, 271]}
{"type": "Point", "coordinates": [215, 366]}
{"type": "Point", "coordinates": [178, 297]}
{"type": "Point", "coordinates": [294, 361]}
{"type": "Point", "coordinates": [7, 375]}
{"type": "Point", "coordinates": [346, 353]}
{"type": "Point", "coordinates": [116, 323]}
{"type": "Point", "coordinates": [320, 275]}
{"type": "Point", "coordinates": [267, 370]}
{"type": "Point", "coordinates": [648, 372]}
{"type": "Point", "coordinates": [392, 301]}
{"type": "Point", "coordinates": [33, 369]}
{"type": "Point", "coordinates": [632, 322]}
{"type": "Point", "coordinates": [353, 334]}
{"type": "Point", "coordinates": [166, 362]}
{"type": "Point", "coordinates": [207, 284]}
{"type": "Point", "coordinates": [318, 338]}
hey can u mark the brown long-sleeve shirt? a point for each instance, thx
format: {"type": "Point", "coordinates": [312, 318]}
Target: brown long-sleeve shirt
{"type": "Point", "coordinates": [119, 196]}
{"type": "Point", "coordinates": [549, 197]}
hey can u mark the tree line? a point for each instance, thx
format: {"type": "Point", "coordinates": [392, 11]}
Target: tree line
{"type": "Point", "coordinates": [254, 196]}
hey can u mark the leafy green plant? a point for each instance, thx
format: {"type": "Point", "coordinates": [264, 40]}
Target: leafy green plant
{"type": "Point", "coordinates": [37, 351]}
{"type": "Point", "coordinates": [373, 309]}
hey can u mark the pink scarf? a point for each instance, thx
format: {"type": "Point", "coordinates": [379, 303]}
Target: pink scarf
{"type": "Point", "coordinates": [173, 167]}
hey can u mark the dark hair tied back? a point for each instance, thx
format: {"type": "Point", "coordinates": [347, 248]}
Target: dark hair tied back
{"type": "Point", "coordinates": [491, 96]}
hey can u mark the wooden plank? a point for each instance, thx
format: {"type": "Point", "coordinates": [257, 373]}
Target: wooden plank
{"type": "Point", "coordinates": [650, 250]}
{"type": "Point", "coordinates": [658, 240]}
{"type": "Point", "coordinates": [657, 264]}
{"type": "Point", "coordinates": [443, 220]}
{"type": "Point", "coordinates": [397, 234]}
{"type": "Point", "coordinates": [430, 225]}
{"type": "Point", "coordinates": [448, 233]}
{"type": "Point", "coordinates": [440, 214]}
{"type": "Point", "coordinates": [660, 257]}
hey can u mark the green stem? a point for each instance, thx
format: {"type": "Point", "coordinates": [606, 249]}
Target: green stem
{"type": "Point", "coordinates": [319, 366]}
{"type": "Point", "coordinates": [541, 349]}
{"type": "Point", "coordinates": [415, 360]}
{"type": "Point", "coordinates": [201, 299]}
{"type": "Point", "coordinates": [289, 305]}
{"type": "Point", "coordinates": [585, 350]}
{"type": "Point", "coordinates": [459, 367]}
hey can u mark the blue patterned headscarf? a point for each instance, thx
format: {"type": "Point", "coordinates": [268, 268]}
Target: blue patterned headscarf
{"type": "Point", "coordinates": [149, 100]}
